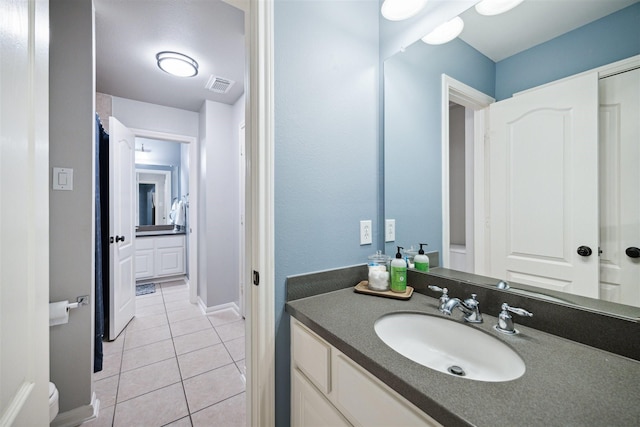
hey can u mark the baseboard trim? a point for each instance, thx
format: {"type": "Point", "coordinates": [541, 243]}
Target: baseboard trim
{"type": "Point", "coordinates": [213, 309]}
{"type": "Point", "coordinates": [79, 415]}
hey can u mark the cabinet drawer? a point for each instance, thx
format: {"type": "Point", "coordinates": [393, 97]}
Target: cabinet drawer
{"type": "Point", "coordinates": [366, 401]}
{"type": "Point", "coordinates": [169, 242]}
{"type": "Point", "coordinates": [144, 243]}
{"type": "Point", "coordinates": [312, 355]}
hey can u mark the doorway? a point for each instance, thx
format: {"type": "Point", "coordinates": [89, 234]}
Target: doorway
{"type": "Point", "coordinates": [463, 139]}
{"type": "Point", "coordinates": [183, 172]}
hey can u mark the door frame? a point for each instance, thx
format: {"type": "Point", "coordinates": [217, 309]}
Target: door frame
{"type": "Point", "coordinates": [462, 94]}
{"type": "Point", "coordinates": [242, 188]}
{"type": "Point", "coordinates": [194, 173]}
{"type": "Point", "coordinates": [166, 193]}
{"type": "Point", "coordinates": [260, 299]}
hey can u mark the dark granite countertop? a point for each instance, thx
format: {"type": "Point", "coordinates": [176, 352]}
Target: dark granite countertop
{"type": "Point", "coordinates": [152, 233]}
{"type": "Point", "coordinates": [565, 383]}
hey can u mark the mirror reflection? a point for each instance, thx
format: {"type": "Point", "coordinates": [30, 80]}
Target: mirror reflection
{"type": "Point", "coordinates": [519, 211]}
{"type": "Point", "coordinates": [159, 173]}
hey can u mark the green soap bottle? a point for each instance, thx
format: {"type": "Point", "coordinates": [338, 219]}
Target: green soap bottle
{"type": "Point", "coordinates": [421, 261]}
{"type": "Point", "coordinates": [399, 273]}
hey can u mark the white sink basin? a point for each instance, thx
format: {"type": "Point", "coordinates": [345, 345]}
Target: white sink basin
{"type": "Point", "coordinates": [450, 347]}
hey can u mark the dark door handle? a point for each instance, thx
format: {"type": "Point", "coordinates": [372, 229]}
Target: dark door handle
{"type": "Point", "coordinates": [582, 250]}
{"type": "Point", "coordinates": [119, 239]}
{"type": "Point", "coordinates": [632, 252]}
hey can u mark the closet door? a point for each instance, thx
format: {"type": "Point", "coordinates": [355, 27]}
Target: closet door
{"type": "Point", "coordinates": [543, 184]}
{"type": "Point", "coordinates": [620, 187]}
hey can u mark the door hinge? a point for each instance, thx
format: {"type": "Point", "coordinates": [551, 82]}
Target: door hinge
{"type": "Point", "coordinates": [256, 278]}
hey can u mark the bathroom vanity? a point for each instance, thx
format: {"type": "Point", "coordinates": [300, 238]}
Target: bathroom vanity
{"type": "Point", "coordinates": [342, 373]}
{"type": "Point", "coordinates": [160, 253]}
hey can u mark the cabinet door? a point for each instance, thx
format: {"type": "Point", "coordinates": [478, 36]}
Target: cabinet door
{"type": "Point", "coordinates": [144, 263]}
{"type": "Point", "coordinates": [309, 407]}
{"type": "Point", "coordinates": [169, 261]}
{"type": "Point", "coordinates": [170, 255]}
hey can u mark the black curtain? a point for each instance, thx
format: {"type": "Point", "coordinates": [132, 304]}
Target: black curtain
{"type": "Point", "coordinates": [102, 240]}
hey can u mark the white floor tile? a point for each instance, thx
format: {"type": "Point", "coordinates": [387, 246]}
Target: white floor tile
{"type": "Point", "coordinates": [231, 330]}
{"type": "Point", "coordinates": [148, 378]}
{"type": "Point", "coordinates": [203, 360]}
{"type": "Point", "coordinates": [195, 341]}
{"type": "Point", "coordinates": [213, 387]}
{"type": "Point", "coordinates": [157, 408]}
{"type": "Point", "coordinates": [147, 354]}
{"type": "Point", "coordinates": [228, 413]}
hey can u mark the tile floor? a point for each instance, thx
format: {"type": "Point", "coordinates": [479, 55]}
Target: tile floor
{"type": "Point", "coordinates": [173, 366]}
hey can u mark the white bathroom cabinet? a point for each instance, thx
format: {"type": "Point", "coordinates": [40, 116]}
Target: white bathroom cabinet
{"type": "Point", "coordinates": [160, 256]}
{"type": "Point", "coordinates": [328, 388]}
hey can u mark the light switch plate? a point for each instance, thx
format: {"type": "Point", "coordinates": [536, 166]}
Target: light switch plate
{"type": "Point", "coordinates": [62, 179]}
{"type": "Point", "coordinates": [390, 230]}
{"type": "Point", "coordinates": [365, 232]}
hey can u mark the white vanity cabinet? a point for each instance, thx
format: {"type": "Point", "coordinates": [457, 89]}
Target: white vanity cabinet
{"type": "Point", "coordinates": [328, 388]}
{"type": "Point", "coordinates": [160, 256]}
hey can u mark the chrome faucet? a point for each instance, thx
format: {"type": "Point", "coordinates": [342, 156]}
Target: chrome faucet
{"type": "Point", "coordinates": [505, 321]}
{"type": "Point", "coordinates": [470, 307]}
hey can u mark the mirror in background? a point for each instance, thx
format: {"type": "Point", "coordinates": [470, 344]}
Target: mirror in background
{"type": "Point", "coordinates": [161, 180]}
{"type": "Point", "coordinates": [497, 66]}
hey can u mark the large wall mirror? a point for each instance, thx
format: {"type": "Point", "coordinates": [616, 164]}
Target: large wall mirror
{"type": "Point", "coordinates": [451, 182]}
{"type": "Point", "coordinates": [160, 180]}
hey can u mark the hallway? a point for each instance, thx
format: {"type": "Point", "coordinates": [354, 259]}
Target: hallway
{"type": "Point", "coordinates": [174, 366]}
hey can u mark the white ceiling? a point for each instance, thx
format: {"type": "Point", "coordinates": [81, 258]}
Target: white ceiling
{"type": "Point", "coordinates": [129, 33]}
{"type": "Point", "coordinates": [531, 23]}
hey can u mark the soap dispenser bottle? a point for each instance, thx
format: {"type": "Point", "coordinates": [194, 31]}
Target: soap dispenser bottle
{"type": "Point", "coordinates": [421, 261]}
{"type": "Point", "coordinates": [398, 273]}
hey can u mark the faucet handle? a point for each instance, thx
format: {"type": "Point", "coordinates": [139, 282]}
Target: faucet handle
{"type": "Point", "coordinates": [505, 321]}
{"type": "Point", "coordinates": [518, 311]}
{"type": "Point", "coordinates": [438, 289]}
{"type": "Point", "coordinates": [443, 298]}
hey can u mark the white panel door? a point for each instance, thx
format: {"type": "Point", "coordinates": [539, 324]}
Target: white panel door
{"type": "Point", "coordinates": [543, 164]}
{"type": "Point", "coordinates": [122, 287]}
{"type": "Point", "coordinates": [24, 213]}
{"type": "Point", "coordinates": [620, 187]}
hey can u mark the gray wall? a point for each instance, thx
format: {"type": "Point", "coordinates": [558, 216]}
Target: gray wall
{"type": "Point", "coordinates": [326, 146]}
{"type": "Point", "coordinates": [219, 229]}
{"type": "Point", "coordinates": [71, 133]}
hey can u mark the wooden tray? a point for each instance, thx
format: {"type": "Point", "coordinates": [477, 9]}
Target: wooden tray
{"type": "Point", "coordinates": [363, 288]}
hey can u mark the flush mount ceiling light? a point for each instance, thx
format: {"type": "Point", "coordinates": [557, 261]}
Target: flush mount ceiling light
{"type": "Point", "coordinates": [496, 7]}
{"type": "Point", "coordinates": [445, 32]}
{"type": "Point", "coordinates": [397, 10]}
{"type": "Point", "coordinates": [177, 64]}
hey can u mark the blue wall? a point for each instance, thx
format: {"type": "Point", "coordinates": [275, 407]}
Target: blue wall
{"type": "Point", "coordinates": [412, 100]}
{"type": "Point", "coordinates": [326, 146]}
{"type": "Point", "coordinates": [602, 42]}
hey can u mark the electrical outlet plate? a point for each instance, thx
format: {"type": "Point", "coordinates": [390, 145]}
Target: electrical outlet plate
{"type": "Point", "coordinates": [390, 230]}
{"type": "Point", "coordinates": [366, 232]}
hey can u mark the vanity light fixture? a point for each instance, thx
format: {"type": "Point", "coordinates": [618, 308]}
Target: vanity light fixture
{"type": "Point", "coordinates": [445, 32]}
{"type": "Point", "coordinates": [496, 7]}
{"type": "Point", "coordinates": [177, 64]}
{"type": "Point", "coordinates": [398, 10]}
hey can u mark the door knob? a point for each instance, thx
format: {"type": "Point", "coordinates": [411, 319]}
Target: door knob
{"type": "Point", "coordinates": [119, 239]}
{"type": "Point", "coordinates": [633, 252]}
{"type": "Point", "coordinates": [582, 251]}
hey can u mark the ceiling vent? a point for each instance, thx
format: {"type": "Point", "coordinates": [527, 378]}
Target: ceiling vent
{"type": "Point", "coordinates": [219, 85]}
